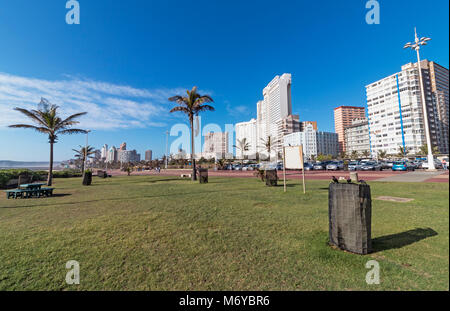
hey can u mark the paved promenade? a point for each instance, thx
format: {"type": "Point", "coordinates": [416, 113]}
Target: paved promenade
{"type": "Point", "coordinates": [387, 175]}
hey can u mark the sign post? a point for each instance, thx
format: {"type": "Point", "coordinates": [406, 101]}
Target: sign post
{"type": "Point", "coordinates": [284, 168]}
{"type": "Point", "coordinates": [293, 159]}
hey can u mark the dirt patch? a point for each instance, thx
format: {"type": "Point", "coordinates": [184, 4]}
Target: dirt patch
{"type": "Point", "coordinates": [394, 199]}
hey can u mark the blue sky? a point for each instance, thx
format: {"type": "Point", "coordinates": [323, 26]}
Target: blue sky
{"type": "Point", "coordinates": [126, 57]}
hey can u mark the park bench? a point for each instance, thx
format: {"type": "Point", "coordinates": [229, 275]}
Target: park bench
{"type": "Point", "coordinates": [29, 193]}
{"type": "Point", "coordinates": [14, 193]}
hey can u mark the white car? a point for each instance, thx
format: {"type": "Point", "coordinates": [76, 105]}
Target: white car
{"type": "Point", "coordinates": [437, 164]}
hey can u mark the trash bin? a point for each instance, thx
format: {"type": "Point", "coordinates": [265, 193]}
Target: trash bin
{"type": "Point", "coordinates": [271, 178]}
{"type": "Point", "coordinates": [87, 179]}
{"type": "Point", "coordinates": [350, 217]}
{"type": "Point", "coordinates": [203, 175]}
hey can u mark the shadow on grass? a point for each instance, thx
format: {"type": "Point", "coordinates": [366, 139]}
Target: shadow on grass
{"type": "Point", "coordinates": [203, 193]}
{"type": "Point", "coordinates": [402, 239]}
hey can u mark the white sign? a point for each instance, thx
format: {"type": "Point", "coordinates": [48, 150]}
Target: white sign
{"type": "Point", "coordinates": [293, 157]}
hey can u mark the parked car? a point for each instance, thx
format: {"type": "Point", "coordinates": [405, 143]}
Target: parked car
{"type": "Point", "coordinates": [335, 166]}
{"type": "Point", "coordinates": [308, 166]}
{"type": "Point", "coordinates": [319, 166]}
{"type": "Point", "coordinates": [371, 166]}
{"type": "Point", "coordinates": [437, 164]}
{"type": "Point", "coordinates": [417, 164]}
{"type": "Point", "coordinates": [403, 166]}
{"type": "Point", "coordinates": [386, 164]}
{"type": "Point", "coordinates": [354, 166]}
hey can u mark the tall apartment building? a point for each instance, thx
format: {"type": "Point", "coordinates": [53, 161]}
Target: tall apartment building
{"type": "Point", "coordinates": [272, 116]}
{"type": "Point", "coordinates": [112, 155]}
{"type": "Point", "coordinates": [248, 131]}
{"type": "Point", "coordinates": [148, 155]}
{"type": "Point", "coordinates": [357, 136]}
{"type": "Point", "coordinates": [104, 152]}
{"type": "Point", "coordinates": [288, 125]}
{"type": "Point", "coordinates": [343, 117]}
{"type": "Point", "coordinates": [216, 145]}
{"type": "Point", "coordinates": [395, 109]}
{"type": "Point", "coordinates": [276, 106]}
{"type": "Point", "coordinates": [304, 124]}
{"type": "Point", "coordinates": [440, 90]}
{"type": "Point", "coordinates": [313, 142]}
{"type": "Point", "coordinates": [126, 156]}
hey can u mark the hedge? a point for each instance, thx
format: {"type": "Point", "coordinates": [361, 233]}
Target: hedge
{"type": "Point", "coordinates": [7, 175]}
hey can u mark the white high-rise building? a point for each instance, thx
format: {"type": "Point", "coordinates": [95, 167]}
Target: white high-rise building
{"type": "Point", "coordinates": [276, 106]}
{"type": "Point", "coordinates": [247, 130]}
{"type": "Point", "coordinates": [104, 152]}
{"type": "Point", "coordinates": [395, 111]}
{"type": "Point", "coordinates": [313, 142]}
{"type": "Point", "coordinates": [112, 155]}
{"type": "Point", "coordinates": [216, 145]}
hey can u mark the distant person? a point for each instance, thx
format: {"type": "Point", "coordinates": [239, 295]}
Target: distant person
{"type": "Point", "coordinates": [444, 164]}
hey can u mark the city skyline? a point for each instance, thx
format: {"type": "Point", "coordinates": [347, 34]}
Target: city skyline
{"type": "Point", "coordinates": [128, 102]}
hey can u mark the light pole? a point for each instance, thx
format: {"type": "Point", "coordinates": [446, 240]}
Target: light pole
{"type": "Point", "coordinates": [416, 46]}
{"type": "Point", "coordinates": [167, 146]}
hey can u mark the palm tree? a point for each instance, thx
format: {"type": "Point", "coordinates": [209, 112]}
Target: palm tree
{"type": "Point", "coordinates": [192, 105]}
{"type": "Point", "coordinates": [354, 155]}
{"type": "Point", "coordinates": [382, 154]}
{"type": "Point", "coordinates": [267, 144]}
{"type": "Point", "coordinates": [366, 153]}
{"type": "Point", "coordinates": [82, 153]}
{"type": "Point", "coordinates": [49, 122]}
{"type": "Point", "coordinates": [424, 150]}
{"type": "Point", "coordinates": [403, 151]}
{"type": "Point", "coordinates": [243, 146]}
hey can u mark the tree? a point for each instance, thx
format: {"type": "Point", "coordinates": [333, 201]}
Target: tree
{"type": "Point", "coordinates": [48, 122]}
{"type": "Point", "coordinates": [382, 154]}
{"type": "Point", "coordinates": [342, 155]}
{"type": "Point", "coordinates": [354, 155]}
{"type": "Point", "coordinates": [403, 151]}
{"type": "Point", "coordinates": [267, 144]}
{"type": "Point", "coordinates": [82, 153]}
{"type": "Point", "coordinates": [192, 105]}
{"type": "Point", "coordinates": [243, 146]}
{"type": "Point", "coordinates": [424, 150]}
{"type": "Point", "coordinates": [366, 153]}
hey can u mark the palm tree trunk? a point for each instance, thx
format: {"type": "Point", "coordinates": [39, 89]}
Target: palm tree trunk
{"type": "Point", "coordinates": [50, 169]}
{"type": "Point", "coordinates": [82, 168]}
{"type": "Point", "coordinates": [194, 170]}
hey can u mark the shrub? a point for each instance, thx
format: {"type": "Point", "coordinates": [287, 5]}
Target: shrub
{"type": "Point", "coordinates": [7, 175]}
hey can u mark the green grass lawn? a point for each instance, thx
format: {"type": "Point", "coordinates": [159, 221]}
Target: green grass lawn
{"type": "Point", "coordinates": [163, 233]}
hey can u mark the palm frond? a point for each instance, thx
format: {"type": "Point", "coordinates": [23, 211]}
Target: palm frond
{"type": "Point", "coordinates": [32, 115]}
{"type": "Point", "coordinates": [33, 127]}
{"type": "Point", "coordinates": [181, 109]}
{"type": "Point", "coordinates": [72, 131]}
{"type": "Point", "coordinates": [71, 119]}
